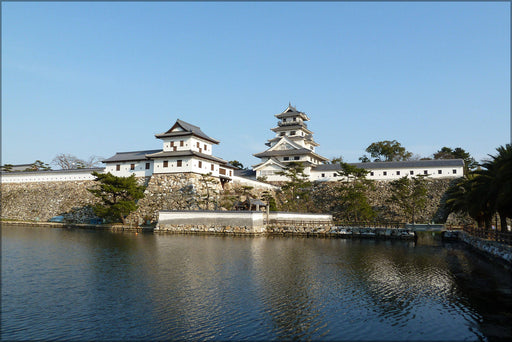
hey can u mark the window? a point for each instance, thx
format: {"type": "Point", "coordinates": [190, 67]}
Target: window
{"type": "Point", "coordinates": [371, 173]}
{"type": "Point", "coordinates": [205, 147]}
{"type": "Point", "coordinates": [132, 166]}
{"type": "Point", "coordinates": [181, 142]}
{"type": "Point", "coordinates": [323, 174]}
{"type": "Point", "coordinates": [296, 158]}
{"type": "Point", "coordinates": [198, 144]}
{"type": "Point", "coordinates": [172, 143]}
{"type": "Point", "coordinates": [166, 163]}
{"type": "Point", "coordinates": [425, 172]}
{"type": "Point", "coordinates": [411, 172]}
{"type": "Point", "coordinates": [385, 173]}
{"type": "Point", "coordinates": [147, 166]}
{"type": "Point", "coordinates": [200, 164]}
{"type": "Point", "coordinates": [335, 175]}
{"type": "Point", "coordinates": [294, 119]}
{"type": "Point", "coordinates": [292, 133]}
{"type": "Point", "coordinates": [286, 158]}
{"type": "Point", "coordinates": [213, 167]}
{"type": "Point", "coordinates": [118, 167]}
{"type": "Point", "coordinates": [439, 172]}
{"type": "Point", "coordinates": [398, 173]}
{"type": "Point", "coordinates": [174, 148]}
{"type": "Point", "coordinates": [284, 120]}
{"type": "Point", "coordinates": [282, 134]}
{"type": "Point", "coordinates": [179, 163]}
{"type": "Point", "coordinates": [231, 172]}
{"type": "Point", "coordinates": [454, 171]}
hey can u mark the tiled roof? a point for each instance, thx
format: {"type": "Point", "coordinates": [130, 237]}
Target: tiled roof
{"type": "Point", "coordinates": [396, 165]}
{"type": "Point", "coordinates": [97, 169]}
{"type": "Point", "coordinates": [301, 151]}
{"type": "Point", "coordinates": [245, 173]}
{"type": "Point", "coordinates": [290, 128]}
{"type": "Point", "coordinates": [188, 129]}
{"type": "Point", "coordinates": [129, 156]}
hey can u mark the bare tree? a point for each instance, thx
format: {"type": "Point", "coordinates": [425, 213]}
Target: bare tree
{"type": "Point", "coordinates": [69, 161]}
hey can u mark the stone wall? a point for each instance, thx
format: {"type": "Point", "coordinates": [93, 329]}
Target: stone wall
{"type": "Point", "coordinates": [381, 192]}
{"type": "Point", "coordinates": [498, 250]}
{"type": "Point", "coordinates": [43, 200]}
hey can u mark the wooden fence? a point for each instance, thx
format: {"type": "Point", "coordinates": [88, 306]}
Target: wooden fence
{"type": "Point", "coordinates": [493, 234]}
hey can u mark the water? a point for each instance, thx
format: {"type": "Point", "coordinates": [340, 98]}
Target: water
{"type": "Point", "coordinates": [83, 285]}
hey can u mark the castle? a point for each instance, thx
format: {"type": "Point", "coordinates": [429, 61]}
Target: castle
{"type": "Point", "coordinates": [294, 142]}
{"type": "Point", "coordinates": [187, 149]}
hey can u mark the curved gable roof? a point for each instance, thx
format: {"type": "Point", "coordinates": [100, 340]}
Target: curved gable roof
{"type": "Point", "coordinates": [182, 128]}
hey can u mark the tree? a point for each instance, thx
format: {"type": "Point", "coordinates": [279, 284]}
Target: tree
{"type": "Point", "coordinates": [38, 166]}
{"type": "Point", "coordinates": [336, 160]}
{"type": "Point", "coordinates": [350, 202]}
{"type": "Point", "coordinates": [69, 162]}
{"type": "Point", "coordinates": [484, 192]}
{"type": "Point", "coordinates": [295, 191]}
{"type": "Point", "coordinates": [386, 151]}
{"type": "Point", "coordinates": [457, 153]}
{"type": "Point", "coordinates": [7, 167]}
{"type": "Point", "coordinates": [271, 202]}
{"type": "Point", "coordinates": [118, 196]}
{"type": "Point", "coordinates": [236, 164]}
{"type": "Point", "coordinates": [409, 194]}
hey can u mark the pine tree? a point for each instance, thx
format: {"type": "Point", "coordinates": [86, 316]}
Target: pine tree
{"type": "Point", "coordinates": [118, 196]}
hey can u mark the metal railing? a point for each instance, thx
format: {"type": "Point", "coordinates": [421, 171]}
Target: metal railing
{"type": "Point", "coordinates": [370, 224]}
{"type": "Point", "coordinates": [493, 234]}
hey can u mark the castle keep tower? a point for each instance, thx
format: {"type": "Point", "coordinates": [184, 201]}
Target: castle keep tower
{"type": "Point", "coordinates": [293, 143]}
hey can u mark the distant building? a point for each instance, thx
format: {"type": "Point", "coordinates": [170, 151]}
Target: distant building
{"type": "Point", "coordinates": [294, 143]}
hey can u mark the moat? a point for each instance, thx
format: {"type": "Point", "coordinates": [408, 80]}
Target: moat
{"type": "Point", "coordinates": [70, 284]}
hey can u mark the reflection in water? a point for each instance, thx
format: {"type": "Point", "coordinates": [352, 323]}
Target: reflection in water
{"type": "Point", "coordinates": [87, 285]}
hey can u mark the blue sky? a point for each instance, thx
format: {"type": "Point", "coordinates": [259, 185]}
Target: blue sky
{"type": "Point", "coordinates": [97, 78]}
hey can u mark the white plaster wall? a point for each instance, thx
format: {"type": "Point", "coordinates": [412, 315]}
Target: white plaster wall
{"type": "Point", "coordinates": [227, 218]}
{"type": "Point", "coordinates": [189, 143]}
{"type": "Point", "coordinates": [125, 169]}
{"type": "Point", "coordinates": [391, 174]}
{"type": "Point", "coordinates": [253, 183]}
{"type": "Point", "coordinates": [285, 216]}
{"type": "Point", "coordinates": [46, 176]}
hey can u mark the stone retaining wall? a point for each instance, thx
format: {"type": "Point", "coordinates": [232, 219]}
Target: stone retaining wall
{"type": "Point", "coordinates": [498, 250]}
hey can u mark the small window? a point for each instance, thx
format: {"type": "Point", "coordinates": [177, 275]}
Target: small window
{"type": "Point", "coordinates": [411, 172]}
{"type": "Point", "coordinates": [213, 167]}
{"type": "Point", "coordinates": [118, 167]}
{"type": "Point", "coordinates": [294, 119]}
{"type": "Point", "coordinates": [200, 164]}
{"type": "Point", "coordinates": [371, 173]}
{"type": "Point", "coordinates": [198, 144]}
{"type": "Point", "coordinates": [174, 148]}
{"type": "Point", "coordinates": [181, 142]}
{"type": "Point", "coordinates": [147, 166]}
{"type": "Point", "coordinates": [335, 175]}
{"type": "Point", "coordinates": [172, 143]}
{"type": "Point", "coordinates": [296, 158]}
{"type": "Point", "coordinates": [286, 158]}
{"type": "Point", "coordinates": [439, 172]}
{"type": "Point", "coordinates": [385, 173]}
{"type": "Point", "coordinates": [292, 133]}
{"type": "Point", "coordinates": [398, 173]}
{"type": "Point", "coordinates": [425, 172]}
{"type": "Point", "coordinates": [179, 163]}
{"type": "Point", "coordinates": [132, 166]}
{"type": "Point", "coordinates": [284, 120]}
{"type": "Point", "coordinates": [166, 163]}
{"type": "Point", "coordinates": [454, 171]}
{"type": "Point", "coordinates": [323, 174]}
{"type": "Point", "coordinates": [282, 134]}
{"type": "Point", "coordinates": [205, 147]}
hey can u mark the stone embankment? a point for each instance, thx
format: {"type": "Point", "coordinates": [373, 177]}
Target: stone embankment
{"type": "Point", "coordinates": [495, 249]}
